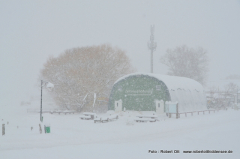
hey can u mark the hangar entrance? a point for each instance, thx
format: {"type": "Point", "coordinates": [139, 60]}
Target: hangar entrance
{"type": "Point", "coordinates": [138, 93]}
{"type": "Point", "coordinates": [118, 105]}
{"type": "Point", "coordinates": [159, 106]}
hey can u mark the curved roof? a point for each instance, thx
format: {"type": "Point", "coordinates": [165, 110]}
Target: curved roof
{"type": "Point", "coordinates": [172, 82]}
{"type": "Point", "coordinates": [187, 92]}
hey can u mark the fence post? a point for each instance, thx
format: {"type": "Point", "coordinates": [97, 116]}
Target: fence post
{"type": "Point", "coordinates": [177, 112]}
{"type": "Point", "coordinates": [40, 128]}
{"type": "Point", "coordinates": [3, 129]}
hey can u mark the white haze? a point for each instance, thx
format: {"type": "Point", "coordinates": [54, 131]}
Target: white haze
{"type": "Point", "coordinates": [31, 31]}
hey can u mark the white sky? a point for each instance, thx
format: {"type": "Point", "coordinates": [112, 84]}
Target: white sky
{"type": "Point", "coordinates": [31, 31]}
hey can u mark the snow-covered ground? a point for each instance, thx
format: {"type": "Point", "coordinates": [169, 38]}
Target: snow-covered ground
{"type": "Point", "coordinates": [71, 137]}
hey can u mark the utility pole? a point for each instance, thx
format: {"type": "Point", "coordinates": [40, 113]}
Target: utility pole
{"type": "Point", "coordinates": [152, 46]}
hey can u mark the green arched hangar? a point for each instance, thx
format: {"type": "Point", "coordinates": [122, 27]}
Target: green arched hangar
{"type": "Point", "coordinates": [143, 92]}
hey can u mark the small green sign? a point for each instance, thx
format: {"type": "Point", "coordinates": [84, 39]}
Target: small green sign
{"type": "Point", "coordinates": [47, 129]}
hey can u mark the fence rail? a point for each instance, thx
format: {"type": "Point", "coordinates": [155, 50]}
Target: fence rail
{"type": "Point", "coordinates": [51, 111]}
{"type": "Point", "coordinates": [202, 111]}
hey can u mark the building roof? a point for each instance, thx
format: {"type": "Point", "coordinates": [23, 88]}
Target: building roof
{"type": "Point", "coordinates": [172, 82]}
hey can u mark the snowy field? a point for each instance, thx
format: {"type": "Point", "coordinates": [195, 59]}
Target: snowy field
{"type": "Point", "coordinates": [72, 137]}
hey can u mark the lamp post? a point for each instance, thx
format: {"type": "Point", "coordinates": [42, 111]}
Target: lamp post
{"type": "Point", "coordinates": [48, 85]}
{"type": "Point", "coordinates": [237, 94]}
{"type": "Point", "coordinates": [41, 102]}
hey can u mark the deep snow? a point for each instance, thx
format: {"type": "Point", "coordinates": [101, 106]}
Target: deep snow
{"type": "Point", "coordinates": [71, 137]}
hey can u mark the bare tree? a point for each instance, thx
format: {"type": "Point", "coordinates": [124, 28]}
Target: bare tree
{"type": "Point", "coordinates": [221, 99]}
{"type": "Point", "coordinates": [81, 75]}
{"type": "Point", "coordinates": [187, 62]}
{"type": "Point", "coordinates": [230, 92]}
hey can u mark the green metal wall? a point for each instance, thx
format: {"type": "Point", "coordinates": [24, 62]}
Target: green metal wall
{"type": "Point", "coordinates": [138, 92]}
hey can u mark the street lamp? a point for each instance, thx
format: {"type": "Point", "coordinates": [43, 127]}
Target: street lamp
{"type": "Point", "coordinates": [48, 85]}
{"type": "Point", "coordinates": [237, 94]}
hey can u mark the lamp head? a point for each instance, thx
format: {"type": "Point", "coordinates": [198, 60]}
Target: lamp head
{"type": "Point", "coordinates": [50, 85]}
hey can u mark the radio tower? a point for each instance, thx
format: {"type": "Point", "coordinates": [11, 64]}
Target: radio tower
{"type": "Point", "coordinates": [152, 46]}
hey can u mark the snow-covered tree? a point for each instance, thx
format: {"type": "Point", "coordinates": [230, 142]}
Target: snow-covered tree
{"type": "Point", "coordinates": [81, 75]}
{"type": "Point", "coordinates": [187, 62]}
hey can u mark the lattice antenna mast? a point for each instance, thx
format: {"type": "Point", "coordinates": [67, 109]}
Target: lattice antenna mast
{"type": "Point", "coordinates": [152, 46]}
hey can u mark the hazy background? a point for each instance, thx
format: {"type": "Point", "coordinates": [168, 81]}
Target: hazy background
{"type": "Point", "coordinates": [31, 31]}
